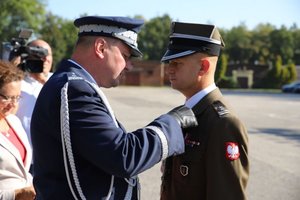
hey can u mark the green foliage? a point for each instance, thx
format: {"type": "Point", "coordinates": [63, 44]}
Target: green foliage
{"type": "Point", "coordinates": [282, 44]}
{"type": "Point", "coordinates": [291, 68]}
{"type": "Point", "coordinates": [296, 47]}
{"type": "Point", "coordinates": [227, 82]}
{"type": "Point", "coordinates": [153, 38]}
{"type": "Point", "coordinates": [280, 74]}
{"type": "Point", "coordinates": [221, 68]}
{"type": "Point", "coordinates": [263, 45]}
{"type": "Point", "coordinates": [18, 14]}
{"type": "Point", "coordinates": [61, 34]}
{"type": "Point", "coordinates": [238, 43]}
{"type": "Point", "coordinates": [275, 74]}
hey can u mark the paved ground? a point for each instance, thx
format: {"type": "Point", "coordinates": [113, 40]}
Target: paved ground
{"type": "Point", "coordinates": [273, 122]}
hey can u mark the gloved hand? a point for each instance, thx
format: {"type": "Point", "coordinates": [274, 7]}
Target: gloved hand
{"type": "Point", "coordinates": [185, 116]}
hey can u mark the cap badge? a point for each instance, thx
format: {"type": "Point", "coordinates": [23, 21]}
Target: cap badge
{"type": "Point", "coordinates": [232, 151]}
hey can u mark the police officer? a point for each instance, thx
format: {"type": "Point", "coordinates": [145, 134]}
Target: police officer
{"type": "Point", "coordinates": [215, 164]}
{"type": "Point", "coordinates": [81, 151]}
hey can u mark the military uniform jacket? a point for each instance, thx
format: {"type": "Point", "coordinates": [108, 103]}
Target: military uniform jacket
{"type": "Point", "coordinates": [100, 149]}
{"type": "Point", "coordinates": [215, 165]}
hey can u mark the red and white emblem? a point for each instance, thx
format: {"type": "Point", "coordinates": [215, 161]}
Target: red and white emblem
{"type": "Point", "coordinates": [232, 151]}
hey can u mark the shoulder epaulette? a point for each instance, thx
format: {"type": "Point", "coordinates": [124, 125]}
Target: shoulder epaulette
{"type": "Point", "coordinates": [73, 76]}
{"type": "Point", "coordinates": [220, 108]}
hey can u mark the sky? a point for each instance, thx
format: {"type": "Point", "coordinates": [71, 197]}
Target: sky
{"type": "Point", "coordinates": [222, 13]}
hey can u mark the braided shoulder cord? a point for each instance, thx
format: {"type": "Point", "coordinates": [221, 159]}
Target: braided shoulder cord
{"type": "Point", "coordinates": [66, 143]}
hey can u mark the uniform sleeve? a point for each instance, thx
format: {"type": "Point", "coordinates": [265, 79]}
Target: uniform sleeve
{"type": "Point", "coordinates": [227, 159]}
{"type": "Point", "coordinates": [96, 137]}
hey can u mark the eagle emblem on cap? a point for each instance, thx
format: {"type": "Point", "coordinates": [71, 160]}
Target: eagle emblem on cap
{"type": "Point", "coordinates": [232, 151]}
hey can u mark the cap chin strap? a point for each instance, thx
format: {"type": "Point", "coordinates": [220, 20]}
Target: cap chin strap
{"type": "Point", "coordinates": [67, 145]}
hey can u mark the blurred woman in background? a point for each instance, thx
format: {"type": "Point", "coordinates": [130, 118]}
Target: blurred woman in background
{"type": "Point", "coordinates": [15, 150]}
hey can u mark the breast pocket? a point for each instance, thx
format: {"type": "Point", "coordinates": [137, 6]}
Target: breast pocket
{"type": "Point", "coordinates": [189, 168]}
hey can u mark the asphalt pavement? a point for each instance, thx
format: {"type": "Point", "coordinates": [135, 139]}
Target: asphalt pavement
{"type": "Point", "coordinates": [272, 120]}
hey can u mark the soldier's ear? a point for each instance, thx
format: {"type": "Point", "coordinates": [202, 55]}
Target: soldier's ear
{"type": "Point", "coordinates": [205, 64]}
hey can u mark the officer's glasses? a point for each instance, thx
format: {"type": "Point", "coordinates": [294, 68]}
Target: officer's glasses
{"type": "Point", "coordinates": [9, 99]}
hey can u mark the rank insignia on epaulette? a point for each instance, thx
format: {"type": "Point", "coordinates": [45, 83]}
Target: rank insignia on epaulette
{"type": "Point", "coordinates": [220, 108]}
{"type": "Point", "coordinates": [73, 76]}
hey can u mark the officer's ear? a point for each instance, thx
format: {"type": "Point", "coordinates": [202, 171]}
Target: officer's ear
{"type": "Point", "coordinates": [99, 46]}
{"type": "Point", "coordinates": [205, 64]}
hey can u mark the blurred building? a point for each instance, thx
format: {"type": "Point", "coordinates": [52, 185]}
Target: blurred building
{"type": "Point", "coordinates": [247, 75]}
{"type": "Point", "coordinates": [145, 73]}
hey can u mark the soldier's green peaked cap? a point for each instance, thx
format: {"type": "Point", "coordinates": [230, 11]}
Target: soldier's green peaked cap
{"type": "Point", "coordinates": [189, 38]}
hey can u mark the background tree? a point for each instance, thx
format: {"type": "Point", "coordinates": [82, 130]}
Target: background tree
{"type": "Point", "coordinates": [18, 14]}
{"type": "Point", "coordinates": [292, 72]}
{"type": "Point", "coordinates": [274, 77]}
{"type": "Point", "coordinates": [221, 67]}
{"type": "Point", "coordinates": [296, 48]}
{"type": "Point", "coordinates": [282, 44]}
{"type": "Point", "coordinates": [238, 44]}
{"type": "Point", "coordinates": [261, 44]}
{"type": "Point", "coordinates": [61, 34]}
{"type": "Point", "coordinates": [153, 38]}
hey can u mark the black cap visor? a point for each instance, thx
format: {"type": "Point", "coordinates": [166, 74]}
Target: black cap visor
{"type": "Point", "coordinates": [179, 47]}
{"type": "Point", "coordinates": [172, 54]}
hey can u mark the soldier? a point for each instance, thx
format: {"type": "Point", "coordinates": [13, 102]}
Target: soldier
{"type": "Point", "coordinates": [81, 151]}
{"type": "Point", "coordinates": [215, 164]}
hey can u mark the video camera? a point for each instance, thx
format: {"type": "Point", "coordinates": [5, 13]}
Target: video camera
{"type": "Point", "coordinates": [31, 57]}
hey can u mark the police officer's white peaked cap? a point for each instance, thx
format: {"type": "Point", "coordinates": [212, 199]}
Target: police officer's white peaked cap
{"type": "Point", "coordinates": [123, 28]}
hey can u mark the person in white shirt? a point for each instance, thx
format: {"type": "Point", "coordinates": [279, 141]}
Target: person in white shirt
{"type": "Point", "coordinates": [31, 86]}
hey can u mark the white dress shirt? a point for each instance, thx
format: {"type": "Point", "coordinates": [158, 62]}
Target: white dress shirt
{"type": "Point", "coordinates": [191, 102]}
{"type": "Point", "coordinates": [30, 89]}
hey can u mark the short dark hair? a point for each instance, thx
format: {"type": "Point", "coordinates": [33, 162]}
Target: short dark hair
{"type": "Point", "coordinates": [88, 40]}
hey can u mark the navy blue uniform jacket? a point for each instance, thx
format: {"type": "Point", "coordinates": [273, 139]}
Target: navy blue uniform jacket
{"type": "Point", "coordinates": [100, 148]}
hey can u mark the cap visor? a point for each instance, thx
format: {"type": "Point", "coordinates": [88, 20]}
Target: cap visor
{"type": "Point", "coordinates": [172, 54]}
{"type": "Point", "coordinates": [135, 52]}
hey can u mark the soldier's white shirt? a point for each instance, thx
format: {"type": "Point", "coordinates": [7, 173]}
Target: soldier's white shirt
{"type": "Point", "coordinates": [191, 102]}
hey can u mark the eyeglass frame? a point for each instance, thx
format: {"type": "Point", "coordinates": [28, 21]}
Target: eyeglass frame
{"type": "Point", "coordinates": [9, 99]}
